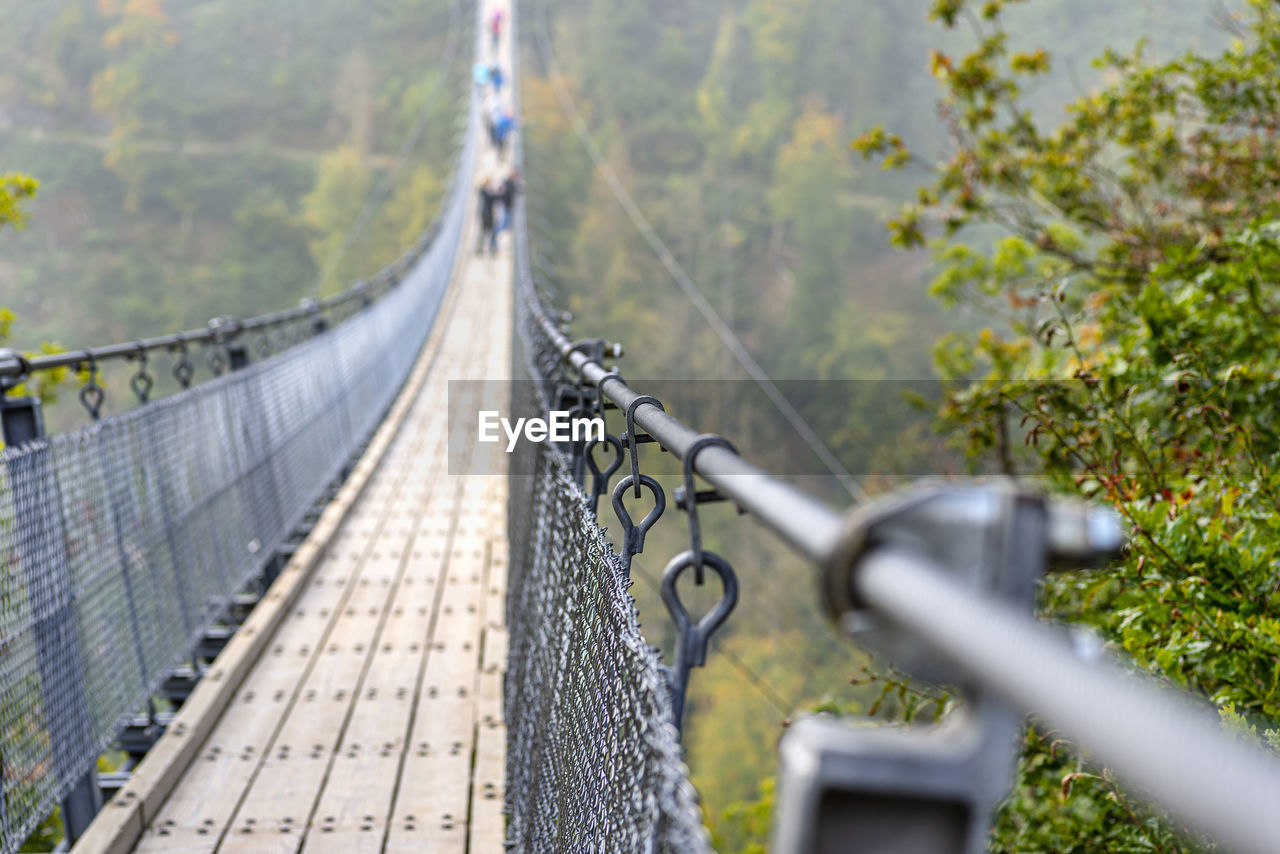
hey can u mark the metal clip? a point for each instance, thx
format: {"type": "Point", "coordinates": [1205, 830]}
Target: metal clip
{"type": "Point", "coordinates": [183, 370]}
{"type": "Point", "coordinates": [630, 440]}
{"type": "Point", "coordinates": [142, 382]}
{"type": "Point", "coordinates": [601, 402]}
{"type": "Point", "coordinates": [692, 638]}
{"type": "Point", "coordinates": [581, 407]}
{"type": "Point", "coordinates": [92, 395]}
{"type": "Point", "coordinates": [600, 479]}
{"type": "Point", "coordinates": [216, 361]}
{"type": "Point", "coordinates": [632, 533]}
{"type": "Point", "coordinates": [688, 497]}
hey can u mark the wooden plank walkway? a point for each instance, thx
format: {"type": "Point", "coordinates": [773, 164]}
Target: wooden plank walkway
{"type": "Point", "coordinates": [369, 712]}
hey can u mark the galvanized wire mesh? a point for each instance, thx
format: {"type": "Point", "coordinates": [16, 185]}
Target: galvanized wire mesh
{"type": "Point", "coordinates": [121, 543]}
{"type": "Point", "coordinates": [593, 758]}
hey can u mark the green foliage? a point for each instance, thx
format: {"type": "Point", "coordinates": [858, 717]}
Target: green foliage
{"type": "Point", "coordinates": [728, 123]}
{"type": "Point", "coordinates": [14, 189]}
{"type": "Point", "coordinates": [342, 180]}
{"type": "Point", "coordinates": [176, 143]}
{"type": "Point", "coordinates": [1130, 358]}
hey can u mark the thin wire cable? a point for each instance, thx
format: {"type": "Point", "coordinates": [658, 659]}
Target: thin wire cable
{"type": "Point", "coordinates": [377, 195]}
{"type": "Point", "coordinates": [687, 285]}
{"type": "Point", "coordinates": [744, 671]}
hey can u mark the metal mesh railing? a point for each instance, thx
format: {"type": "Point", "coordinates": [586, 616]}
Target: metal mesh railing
{"type": "Point", "coordinates": [121, 543]}
{"type": "Point", "coordinates": [594, 763]}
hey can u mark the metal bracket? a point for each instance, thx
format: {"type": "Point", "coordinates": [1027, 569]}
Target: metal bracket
{"type": "Point", "coordinates": [631, 441]}
{"type": "Point", "coordinates": [599, 478]}
{"type": "Point", "coordinates": [994, 537]}
{"type": "Point", "coordinates": [21, 419]}
{"type": "Point", "coordinates": [691, 507]}
{"type": "Point", "coordinates": [926, 790]}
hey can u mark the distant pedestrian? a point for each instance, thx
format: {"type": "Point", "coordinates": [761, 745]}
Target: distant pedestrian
{"type": "Point", "coordinates": [503, 126]}
{"type": "Point", "coordinates": [480, 73]}
{"type": "Point", "coordinates": [490, 192]}
{"type": "Point", "coordinates": [493, 112]}
{"type": "Point", "coordinates": [496, 78]}
{"type": "Point", "coordinates": [507, 195]}
{"type": "Point", "coordinates": [495, 29]}
{"type": "Point", "coordinates": [491, 109]}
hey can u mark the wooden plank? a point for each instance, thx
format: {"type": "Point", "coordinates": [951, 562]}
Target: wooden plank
{"type": "Point", "coordinates": [355, 802]}
{"type": "Point", "coordinates": [243, 736]}
{"type": "Point", "coordinates": [431, 804]}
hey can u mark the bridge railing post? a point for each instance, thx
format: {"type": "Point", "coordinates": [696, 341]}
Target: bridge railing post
{"type": "Point", "coordinates": [49, 599]}
{"type": "Point", "coordinates": [926, 790]}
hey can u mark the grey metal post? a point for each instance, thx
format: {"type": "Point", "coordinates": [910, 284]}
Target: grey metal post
{"type": "Point", "coordinates": [46, 576]}
{"type": "Point", "coordinates": [918, 790]}
{"type": "Point", "coordinates": [237, 355]}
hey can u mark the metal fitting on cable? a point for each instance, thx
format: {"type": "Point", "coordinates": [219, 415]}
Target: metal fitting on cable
{"type": "Point", "coordinates": [21, 419]}
{"type": "Point", "coordinates": [928, 788]}
{"type": "Point", "coordinates": [311, 305]}
{"type": "Point", "coordinates": [14, 367]}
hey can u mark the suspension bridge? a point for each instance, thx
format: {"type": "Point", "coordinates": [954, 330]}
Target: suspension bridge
{"type": "Point", "coordinates": [275, 592]}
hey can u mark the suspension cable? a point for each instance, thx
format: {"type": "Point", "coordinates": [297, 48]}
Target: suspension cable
{"type": "Point", "coordinates": [722, 330]}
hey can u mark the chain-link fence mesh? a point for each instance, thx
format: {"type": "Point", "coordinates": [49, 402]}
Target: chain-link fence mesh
{"type": "Point", "coordinates": [121, 543]}
{"type": "Point", "coordinates": [593, 758]}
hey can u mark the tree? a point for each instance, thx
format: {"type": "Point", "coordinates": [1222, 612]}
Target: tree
{"type": "Point", "coordinates": [331, 208]}
{"type": "Point", "coordinates": [1123, 260]}
{"type": "Point", "coordinates": [811, 174]}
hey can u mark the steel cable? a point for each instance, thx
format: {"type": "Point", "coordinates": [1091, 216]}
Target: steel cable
{"type": "Point", "coordinates": [722, 330]}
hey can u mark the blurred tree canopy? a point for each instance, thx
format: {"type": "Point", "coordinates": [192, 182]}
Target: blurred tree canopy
{"type": "Point", "coordinates": [1125, 260]}
{"type": "Point", "coordinates": [730, 122]}
{"type": "Point", "coordinates": [15, 188]}
{"type": "Point", "coordinates": [179, 143]}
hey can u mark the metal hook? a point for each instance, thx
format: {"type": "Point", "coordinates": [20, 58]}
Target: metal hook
{"type": "Point", "coordinates": [142, 382]}
{"type": "Point", "coordinates": [692, 638]}
{"type": "Point", "coordinates": [182, 368]}
{"type": "Point", "coordinates": [92, 395]}
{"type": "Point", "coordinates": [632, 533]}
{"type": "Point", "coordinates": [689, 497]}
{"type": "Point", "coordinates": [577, 456]}
{"type": "Point", "coordinates": [600, 479]}
{"type": "Point", "coordinates": [629, 437]}
{"type": "Point", "coordinates": [217, 363]}
{"type": "Point", "coordinates": [600, 390]}
{"type": "Point", "coordinates": [575, 393]}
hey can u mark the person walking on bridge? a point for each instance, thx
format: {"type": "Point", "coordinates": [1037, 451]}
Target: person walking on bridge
{"type": "Point", "coordinates": [504, 124]}
{"type": "Point", "coordinates": [490, 193]}
{"type": "Point", "coordinates": [480, 74]}
{"type": "Point", "coordinates": [492, 112]}
{"type": "Point", "coordinates": [507, 195]}
{"type": "Point", "coordinates": [495, 30]}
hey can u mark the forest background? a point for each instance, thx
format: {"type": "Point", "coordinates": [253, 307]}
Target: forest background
{"type": "Point", "coordinates": [211, 158]}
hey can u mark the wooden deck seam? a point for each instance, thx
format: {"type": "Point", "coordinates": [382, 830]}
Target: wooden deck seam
{"type": "Point", "coordinates": [309, 826]}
